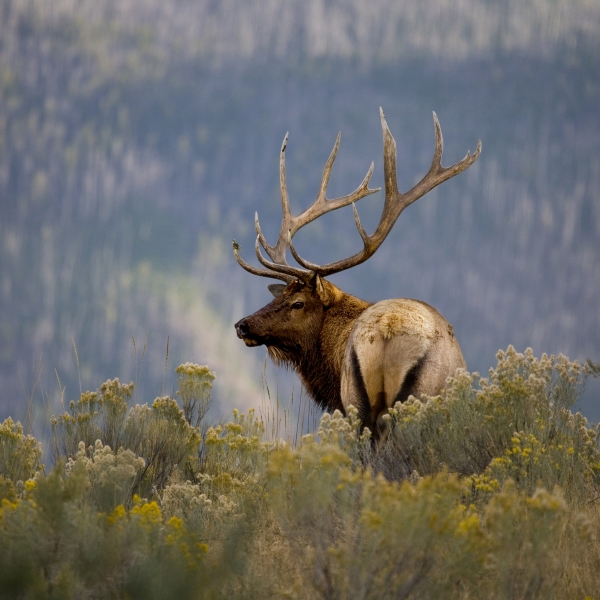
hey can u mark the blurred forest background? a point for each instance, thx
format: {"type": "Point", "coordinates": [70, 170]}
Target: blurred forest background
{"type": "Point", "coordinates": [137, 138]}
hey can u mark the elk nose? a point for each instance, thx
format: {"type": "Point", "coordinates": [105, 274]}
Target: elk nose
{"type": "Point", "coordinates": [242, 328]}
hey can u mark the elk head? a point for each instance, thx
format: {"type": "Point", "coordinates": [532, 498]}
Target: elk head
{"type": "Point", "coordinates": [291, 323]}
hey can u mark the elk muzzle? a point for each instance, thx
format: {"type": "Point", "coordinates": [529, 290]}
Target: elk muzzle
{"type": "Point", "coordinates": [244, 332]}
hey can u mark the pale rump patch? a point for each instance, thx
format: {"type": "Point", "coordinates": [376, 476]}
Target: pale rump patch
{"type": "Point", "coordinates": [388, 340]}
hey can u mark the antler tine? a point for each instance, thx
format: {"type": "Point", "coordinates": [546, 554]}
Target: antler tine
{"type": "Point", "coordinates": [292, 272]}
{"type": "Point", "coordinates": [361, 231]}
{"type": "Point", "coordinates": [322, 196]}
{"type": "Point", "coordinates": [277, 252]}
{"type": "Point", "coordinates": [389, 161]}
{"type": "Point", "coordinates": [438, 174]}
{"type": "Point", "coordinates": [436, 162]}
{"type": "Point", "coordinates": [261, 236]}
{"type": "Point", "coordinates": [305, 263]}
{"type": "Point", "coordinates": [280, 247]}
{"type": "Point", "coordinates": [256, 270]}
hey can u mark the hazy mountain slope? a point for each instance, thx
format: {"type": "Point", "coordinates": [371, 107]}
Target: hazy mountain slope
{"type": "Point", "coordinates": [134, 145]}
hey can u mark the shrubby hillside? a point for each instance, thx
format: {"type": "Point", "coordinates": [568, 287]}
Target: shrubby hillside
{"type": "Point", "coordinates": [137, 139]}
{"type": "Point", "coordinates": [489, 491]}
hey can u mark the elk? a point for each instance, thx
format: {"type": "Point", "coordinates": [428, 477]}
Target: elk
{"type": "Point", "coordinates": [348, 351]}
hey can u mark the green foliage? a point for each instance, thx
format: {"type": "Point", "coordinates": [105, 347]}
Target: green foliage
{"type": "Point", "coordinates": [515, 425]}
{"type": "Point", "coordinates": [494, 495]}
{"type": "Point", "coordinates": [131, 450]}
{"type": "Point", "coordinates": [20, 454]}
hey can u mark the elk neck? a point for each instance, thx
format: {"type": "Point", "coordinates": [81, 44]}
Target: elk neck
{"type": "Point", "coordinates": [320, 365]}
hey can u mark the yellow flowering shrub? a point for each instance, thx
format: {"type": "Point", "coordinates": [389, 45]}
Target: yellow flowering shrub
{"type": "Point", "coordinates": [490, 491]}
{"type": "Point", "coordinates": [230, 480]}
{"type": "Point", "coordinates": [7, 489]}
{"type": "Point", "coordinates": [516, 424]}
{"type": "Point", "coordinates": [147, 513]}
{"type": "Point", "coordinates": [236, 447]}
{"type": "Point", "coordinates": [20, 454]}
{"type": "Point", "coordinates": [523, 533]}
{"type": "Point", "coordinates": [356, 531]}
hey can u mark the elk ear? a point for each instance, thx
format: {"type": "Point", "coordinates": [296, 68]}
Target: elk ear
{"type": "Point", "coordinates": [277, 289]}
{"type": "Point", "coordinates": [324, 291]}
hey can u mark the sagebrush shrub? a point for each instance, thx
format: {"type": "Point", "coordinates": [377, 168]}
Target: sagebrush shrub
{"type": "Point", "coordinates": [112, 475]}
{"type": "Point", "coordinates": [116, 439]}
{"type": "Point", "coordinates": [516, 424]}
{"type": "Point", "coordinates": [489, 491]}
{"type": "Point", "coordinates": [195, 383]}
{"type": "Point", "coordinates": [20, 454]}
{"type": "Point", "coordinates": [99, 415]}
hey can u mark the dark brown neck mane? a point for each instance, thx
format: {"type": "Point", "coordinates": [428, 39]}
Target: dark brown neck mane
{"type": "Point", "coordinates": [319, 363]}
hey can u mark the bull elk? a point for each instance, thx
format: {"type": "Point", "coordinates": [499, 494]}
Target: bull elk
{"type": "Point", "coordinates": [348, 351]}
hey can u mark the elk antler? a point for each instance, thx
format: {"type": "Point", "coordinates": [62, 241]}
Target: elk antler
{"type": "Point", "coordinates": [278, 266]}
{"type": "Point", "coordinates": [395, 203]}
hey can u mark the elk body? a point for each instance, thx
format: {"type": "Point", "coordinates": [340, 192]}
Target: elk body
{"type": "Point", "coordinates": [348, 351]}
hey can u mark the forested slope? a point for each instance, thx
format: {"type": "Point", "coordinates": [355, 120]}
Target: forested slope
{"type": "Point", "coordinates": [137, 139]}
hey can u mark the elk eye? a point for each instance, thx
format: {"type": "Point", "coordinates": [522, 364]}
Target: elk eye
{"type": "Point", "coordinates": [298, 305]}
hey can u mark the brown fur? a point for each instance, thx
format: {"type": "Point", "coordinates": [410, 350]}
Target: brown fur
{"type": "Point", "coordinates": [348, 351]}
{"type": "Point", "coordinates": [311, 340]}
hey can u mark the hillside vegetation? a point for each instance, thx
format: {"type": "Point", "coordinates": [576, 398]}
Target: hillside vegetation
{"type": "Point", "coordinates": [137, 138]}
{"type": "Point", "coordinates": [489, 491]}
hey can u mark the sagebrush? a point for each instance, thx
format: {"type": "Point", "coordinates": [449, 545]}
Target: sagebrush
{"type": "Point", "coordinates": [490, 490]}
